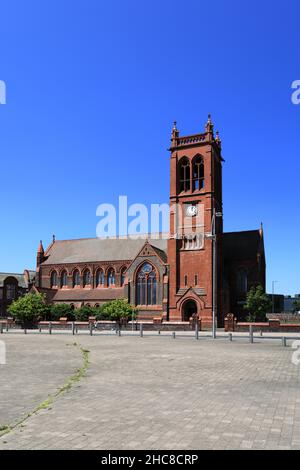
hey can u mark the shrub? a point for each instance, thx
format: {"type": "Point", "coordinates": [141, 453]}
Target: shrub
{"type": "Point", "coordinates": [118, 310]}
{"type": "Point", "coordinates": [29, 308]}
{"type": "Point", "coordinates": [258, 304]}
{"type": "Point", "coordinates": [61, 310]}
{"type": "Point", "coordinates": [83, 313]}
{"type": "Point", "coordinates": [101, 314]}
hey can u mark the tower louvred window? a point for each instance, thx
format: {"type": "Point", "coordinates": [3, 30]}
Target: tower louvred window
{"type": "Point", "coordinates": [184, 175]}
{"type": "Point", "coordinates": [198, 173]}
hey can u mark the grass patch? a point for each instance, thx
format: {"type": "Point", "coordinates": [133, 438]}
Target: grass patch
{"type": "Point", "coordinates": [46, 404]}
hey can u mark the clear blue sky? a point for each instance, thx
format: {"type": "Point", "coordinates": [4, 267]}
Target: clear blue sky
{"type": "Point", "coordinates": [93, 88]}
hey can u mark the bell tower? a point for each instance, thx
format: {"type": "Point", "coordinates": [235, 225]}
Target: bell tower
{"type": "Point", "coordinates": [194, 253]}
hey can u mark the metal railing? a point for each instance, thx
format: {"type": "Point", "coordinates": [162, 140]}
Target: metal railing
{"type": "Point", "coordinates": [92, 329]}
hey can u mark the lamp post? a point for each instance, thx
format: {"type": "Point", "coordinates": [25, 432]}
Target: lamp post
{"type": "Point", "coordinates": [213, 237]}
{"type": "Point", "coordinates": [273, 289]}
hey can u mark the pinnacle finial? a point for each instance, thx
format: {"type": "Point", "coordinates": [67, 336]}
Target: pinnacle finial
{"type": "Point", "coordinates": [261, 230]}
{"type": "Point", "coordinates": [209, 125]}
{"type": "Point", "coordinates": [174, 134]}
{"type": "Point", "coordinates": [41, 248]}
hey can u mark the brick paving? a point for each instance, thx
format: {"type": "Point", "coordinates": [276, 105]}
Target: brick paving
{"type": "Point", "coordinates": [151, 392]}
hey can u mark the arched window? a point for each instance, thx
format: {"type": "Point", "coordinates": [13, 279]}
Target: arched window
{"type": "Point", "coordinates": [146, 285]}
{"type": "Point", "coordinates": [242, 281]}
{"type": "Point", "coordinates": [100, 278]}
{"type": "Point", "coordinates": [86, 278]}
{"type": "Point", "coordinates": [123, 270]}
{"type": "Point", "coordinates": [184, 175]}
{"type": "Point", "coordinates": [76, 278]}
{"type": "Point", "coordinates": [198, 173]}
{"type": "Point", "coordinates": [111, 278]}
{"type": "Point", "coordinates": [11, 288]}
{"type": "Point", "coordinates": [64, 279]}
{"type": "Point", "coordinates": [53, 279]}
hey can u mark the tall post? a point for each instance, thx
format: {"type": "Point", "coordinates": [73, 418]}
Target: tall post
{"type": "Point", "coordinates": [273, 296]}
{"type": "Point", "coordinates": [251, 333]}
{"type": "Point", "coordinates": [213, 229]}
{"type": "Point", "coordinates": [196, 329]}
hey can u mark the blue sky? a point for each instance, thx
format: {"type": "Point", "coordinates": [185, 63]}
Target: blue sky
{"type": "Point", "coordinates": [93, 88]}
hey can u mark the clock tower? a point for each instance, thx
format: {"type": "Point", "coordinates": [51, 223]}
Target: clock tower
{"type": "Point", "coordinates": [194, 246]}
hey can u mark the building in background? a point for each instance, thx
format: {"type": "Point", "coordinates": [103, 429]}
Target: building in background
{"type": "Point", "coordinates": [289, 302]}
{"type": "Point", "coordinates": [13, 286]}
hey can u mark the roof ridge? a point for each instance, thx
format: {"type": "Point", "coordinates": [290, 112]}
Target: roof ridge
{"type": "Point", "coordinates": [138, 236]}
{"type": "Point", "coordinates": [241, 231]}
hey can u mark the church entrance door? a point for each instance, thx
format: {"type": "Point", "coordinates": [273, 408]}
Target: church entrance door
{"type": "Point", "coordinates": [189, 309]}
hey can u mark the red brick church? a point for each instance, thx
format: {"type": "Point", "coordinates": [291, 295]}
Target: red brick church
{"type": "Point", "coordinates": [175, 276]}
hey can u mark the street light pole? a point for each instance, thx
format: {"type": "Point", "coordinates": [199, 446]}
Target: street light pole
{"type": "Point", "coordinates": [273, 303]}
{"type": "Point", "coordinates": [214, 287]}
{"type": "Point", "coordinates": [213, 237]}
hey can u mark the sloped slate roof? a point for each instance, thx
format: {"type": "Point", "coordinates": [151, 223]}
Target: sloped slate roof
{"type": "Point", "coordinates": [97, 249]}
{"type": "Point", "coordinates": [242, 245]}
{"type": "Point", "coordinates": [20, 278]}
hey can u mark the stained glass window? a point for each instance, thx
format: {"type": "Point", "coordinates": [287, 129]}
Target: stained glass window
{"type": "Point", "coordinates": [146, 286]}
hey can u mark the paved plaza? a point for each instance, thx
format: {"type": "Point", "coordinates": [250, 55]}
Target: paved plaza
{"type": "Point", "coordinates": [149, 393]}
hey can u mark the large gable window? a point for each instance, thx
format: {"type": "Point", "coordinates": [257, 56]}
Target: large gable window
{"type": "Point", "coordinates": [146, 285]}
{"type": "Point", "coordinates": [242, 282]}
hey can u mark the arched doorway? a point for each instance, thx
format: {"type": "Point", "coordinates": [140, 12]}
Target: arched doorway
{"type": "Point", "coordinates": [189, 309]}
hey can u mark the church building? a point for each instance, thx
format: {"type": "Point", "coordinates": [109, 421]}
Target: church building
{"type": "Point", "coordinates": [195, 268]}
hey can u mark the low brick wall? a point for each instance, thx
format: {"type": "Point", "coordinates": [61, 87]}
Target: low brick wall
{"type": "Point", "coordinates": [111, 325]}
{"type": "Point", "coordinates": [269, 327]}
{"type": "Point", "coordinates": [272, 326]}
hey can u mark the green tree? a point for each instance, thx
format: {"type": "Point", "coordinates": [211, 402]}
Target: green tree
{"type": "Point", "coordinates": [61, 310]}
{"type": "Point", "coordinates": [118, 310]}
{"type": "Point", "coordinates": [29, 308]}
{"type": "Point", "coordinates": [296, 306]}
{"type": "Point", "coordinates": [258, 304]}
{"type": "Point", "coordinates": [83, 313]}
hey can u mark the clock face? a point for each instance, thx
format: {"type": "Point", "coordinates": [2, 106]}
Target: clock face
{"type": "Point", "coordinates": [191, 210]}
